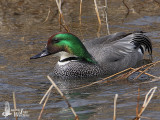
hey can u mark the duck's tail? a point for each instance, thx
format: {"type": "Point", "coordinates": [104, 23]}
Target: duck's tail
{"type": "Point", "coordinates": [143, 42]}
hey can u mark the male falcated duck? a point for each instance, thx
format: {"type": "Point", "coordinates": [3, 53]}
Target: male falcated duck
{"type": "Point", "coordinates": [96, 57]}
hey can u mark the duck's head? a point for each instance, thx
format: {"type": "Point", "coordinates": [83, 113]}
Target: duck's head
{"type": "Point", "coordinates": [66, 44]}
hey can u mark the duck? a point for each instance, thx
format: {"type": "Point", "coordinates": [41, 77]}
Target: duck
{"type": "Point", "coordinates": [97, 57]}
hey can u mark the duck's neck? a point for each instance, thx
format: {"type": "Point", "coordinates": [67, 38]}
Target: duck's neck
{"type": "Point", "coordinates": [65, 57]}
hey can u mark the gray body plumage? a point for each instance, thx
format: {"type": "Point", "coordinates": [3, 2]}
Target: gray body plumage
{"type": "Point", "coordinates": [113, 53]}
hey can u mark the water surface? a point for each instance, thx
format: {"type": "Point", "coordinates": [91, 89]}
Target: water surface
{"type": "Point", "coordinates": [23, 33]}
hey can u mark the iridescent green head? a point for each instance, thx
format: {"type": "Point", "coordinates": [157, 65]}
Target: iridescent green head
{"type": "Point", "coordinates": [66, 42]}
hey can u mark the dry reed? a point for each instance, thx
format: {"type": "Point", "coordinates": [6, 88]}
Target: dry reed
{"type": "Point", "coordinates": [62, 95]}
{"type": "Point", "coordinates": [96, 9]}
{"type": "Point", "coordinates": [146, 102]}
{"type": "Point", "coordinates": [106, 9]}
{"type": "Point", "coordinates": [115, 106]}
{"type": "Point", "coordinates": [40, 115]}
{"type": "Point", "coordinates": [80, 13]}
{"type": "Point", "coordinates": [59, 3]}
{"type": "Point", "coordinates": [127, 10]}
{"type": "Point", "coordinates": [102, 80]}
{"type": "Point", "coordinates": [158, 3]}
{"type": "Point", "coordinates": [50, 88]}
{"type": "Point", "coordinates": [49, 11]}
{"type": "Point", "coordinates": [15, 106]}
{"type": "Point", "coordinates": [124, 75]}
{"type": "Point", "coordinates": [138, 97]}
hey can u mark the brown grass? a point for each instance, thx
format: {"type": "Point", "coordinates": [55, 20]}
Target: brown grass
{"type": "Point", "coordinates": [147, 99]}
{"type": "Point", "coordinates": [62, 95]}
{"type": "Point", "coordinates": [61, 17]}
{"type": "Point", "coordinates": [96, 9]}
{"type": "Point", "coordinates": [15, 106]}
{"type": "Point", "coordinates": [124, 75]}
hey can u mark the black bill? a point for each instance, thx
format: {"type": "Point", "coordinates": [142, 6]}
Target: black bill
{"type": "Point", "coordinates": [42, 54]}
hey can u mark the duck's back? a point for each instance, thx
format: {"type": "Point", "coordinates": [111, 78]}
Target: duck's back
{"type": "Point", "coordinates": [118, 51]}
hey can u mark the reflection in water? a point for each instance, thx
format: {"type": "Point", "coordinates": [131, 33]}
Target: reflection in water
{"type": "Point", "coordinates": [146, 20]}
{"type": "Point", "coordinates": [23, 33]}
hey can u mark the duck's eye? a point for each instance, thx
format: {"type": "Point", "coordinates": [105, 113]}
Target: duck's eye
{"type": "Point", "coordinates": [55, 40]}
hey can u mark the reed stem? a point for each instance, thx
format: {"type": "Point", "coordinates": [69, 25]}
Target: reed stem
{"type": "Point", "coordinates": [96, 9]}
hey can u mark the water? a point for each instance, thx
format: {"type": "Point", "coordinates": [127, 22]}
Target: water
{"type": "Point", "coordinates": [23, 33]}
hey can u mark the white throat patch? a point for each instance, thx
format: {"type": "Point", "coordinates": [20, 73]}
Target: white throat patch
{"type": "Point", "coordinates": [63, 55]}
{"type": "Point", "coordinates": [63, 63]}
